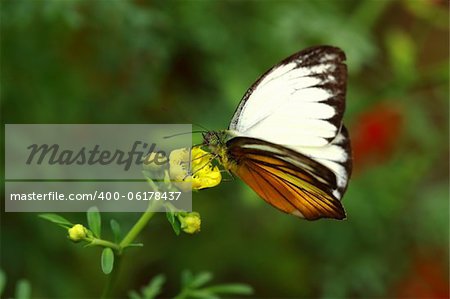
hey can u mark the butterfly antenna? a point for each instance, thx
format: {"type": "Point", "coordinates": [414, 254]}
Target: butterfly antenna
{"type": "Point", "coordinates": [184, 133]}
{"type": "Point", "coordinates": [183, 117]}
{"type": "Point", "coordinates": [200, 126]}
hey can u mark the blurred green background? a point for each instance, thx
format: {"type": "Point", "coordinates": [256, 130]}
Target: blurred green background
{"type": "Point", "coordinates": [191, 61]}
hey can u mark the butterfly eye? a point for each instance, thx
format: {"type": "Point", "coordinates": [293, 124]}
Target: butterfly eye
{"type": "Point", "coordinates": [208, 137]}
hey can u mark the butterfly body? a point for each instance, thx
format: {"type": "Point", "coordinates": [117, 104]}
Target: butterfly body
{"type": "Point", "coordinates": [286, 139]}
{"type": "Point", "coordinates": [217, 144]}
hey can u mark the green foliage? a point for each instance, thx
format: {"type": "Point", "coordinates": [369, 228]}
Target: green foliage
{"type": "Point", "coordinates": [134, 245]}
{"type": "Point", "coordinates": [189, 281]}
{"type": "Point", "coordinates": [174, 222]}
{"type": "Point", "coordinates": [23, 289]}
{"type": "Point", "coordinates": [191, 61]}
{"type": "Point", "coordinates": [94, 221]}
{"type": "Point", "coordinates": [193, 286]}
{"type": "Point", "coordinates": [151, 290]}
{"type": "Point", "coordinates": [107, 260]}
{"type": "Point", "coordinates": [115, 228]}
{"type": "Point", "coordinates": [2, 281]}
{"type": "Point", "coordinates": [402, 55]}
{"type": "Point", "coordinates": [57, 219]}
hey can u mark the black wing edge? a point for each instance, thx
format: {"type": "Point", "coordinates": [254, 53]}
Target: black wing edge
{"type": "Point", "coordinates": [348, 165]}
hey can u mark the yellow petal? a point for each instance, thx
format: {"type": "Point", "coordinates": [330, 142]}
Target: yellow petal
{"type": "Point", "coordinates": [204, 174]}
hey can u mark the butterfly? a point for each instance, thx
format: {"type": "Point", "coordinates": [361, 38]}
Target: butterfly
{"type": "Point", "coordinates": [287, 140]}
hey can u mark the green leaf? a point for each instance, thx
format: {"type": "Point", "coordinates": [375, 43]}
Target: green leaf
{"type": "Point", "coordinates": [135, 245]}
{"type": "Point", "coordinates": [107, 260]}
{"type": "Point", "coordinates": [170, 217]}
{"type": "Point", "coordinates": [55, 218]}
{"type": "Point", "coordinates": [173, 220]}
{"type": "Point", "coordinates": [154, 287]}
{"type": "Point", "coordinates": [232, 288]}
{"type": "Point", "coordinates": [150, 291]}
{"type": "Point", "coordinates": [134, 295]}
{"type": "Point", "coordinates": [202, 294]}
{"type": "Point", "coordinates": [23, 289]}
{"type": "Point", "coordinates": [94, 221]}
{"type": "Point", "coordinates": [186, 278]}
{"type": "Point", "coordinates": [402, 54]}
{"type": "Point", "coordinates": [2, 281]}
{"type": "Point", "coordinates": [200, 279]}
{"type": "Point", "coordinates": [117, 232]}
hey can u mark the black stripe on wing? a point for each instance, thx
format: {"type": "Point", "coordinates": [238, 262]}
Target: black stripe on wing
{"type": "Point", "coordinates": [312, 205]}
{"type": "Point", "coordinates": [238, 148]}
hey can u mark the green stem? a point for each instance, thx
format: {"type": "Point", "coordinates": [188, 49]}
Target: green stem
{"type": "Point", "coordinates": [141, 223]}
{"type": "Point", "coordinates": [104, 243]}
{"type": "Point", "coordinates": [112, 278]}
{"type": "Point", "coordinates": [137, 227]}
{"type": "Point", "coordinates": [127, 240]}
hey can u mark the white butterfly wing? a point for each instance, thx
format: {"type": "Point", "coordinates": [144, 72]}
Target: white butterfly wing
{"type": "Point", "coordinates": [336, 156]}
{"type": "Point", "coordinates": [299, 103]}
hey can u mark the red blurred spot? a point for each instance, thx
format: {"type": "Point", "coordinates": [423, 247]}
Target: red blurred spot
{"type": "Point", "coordinates": [375, 134]}
{"type": "Point", "coordinates": [427, 279]}
{"type": "Point", "coordinates": [441, 3]}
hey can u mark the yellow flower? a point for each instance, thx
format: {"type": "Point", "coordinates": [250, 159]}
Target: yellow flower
{"type": "Point", "coordinates": [190, 223]}
{"type": "Point", "coordinates": [202, 173]}
{"type": "Point", "coordinates": [77, 233]}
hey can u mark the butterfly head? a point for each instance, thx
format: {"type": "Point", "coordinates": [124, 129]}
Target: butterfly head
{"type": "Point", "coordinates": [215, 140]}
{"type": "Point", "coordinates": [212, 139]}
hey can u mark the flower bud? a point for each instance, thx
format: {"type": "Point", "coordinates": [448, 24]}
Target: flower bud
{"type": "Point", "coordinates": [77, 233]}
{"type": "Point", "coordinates": [190, 222]}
